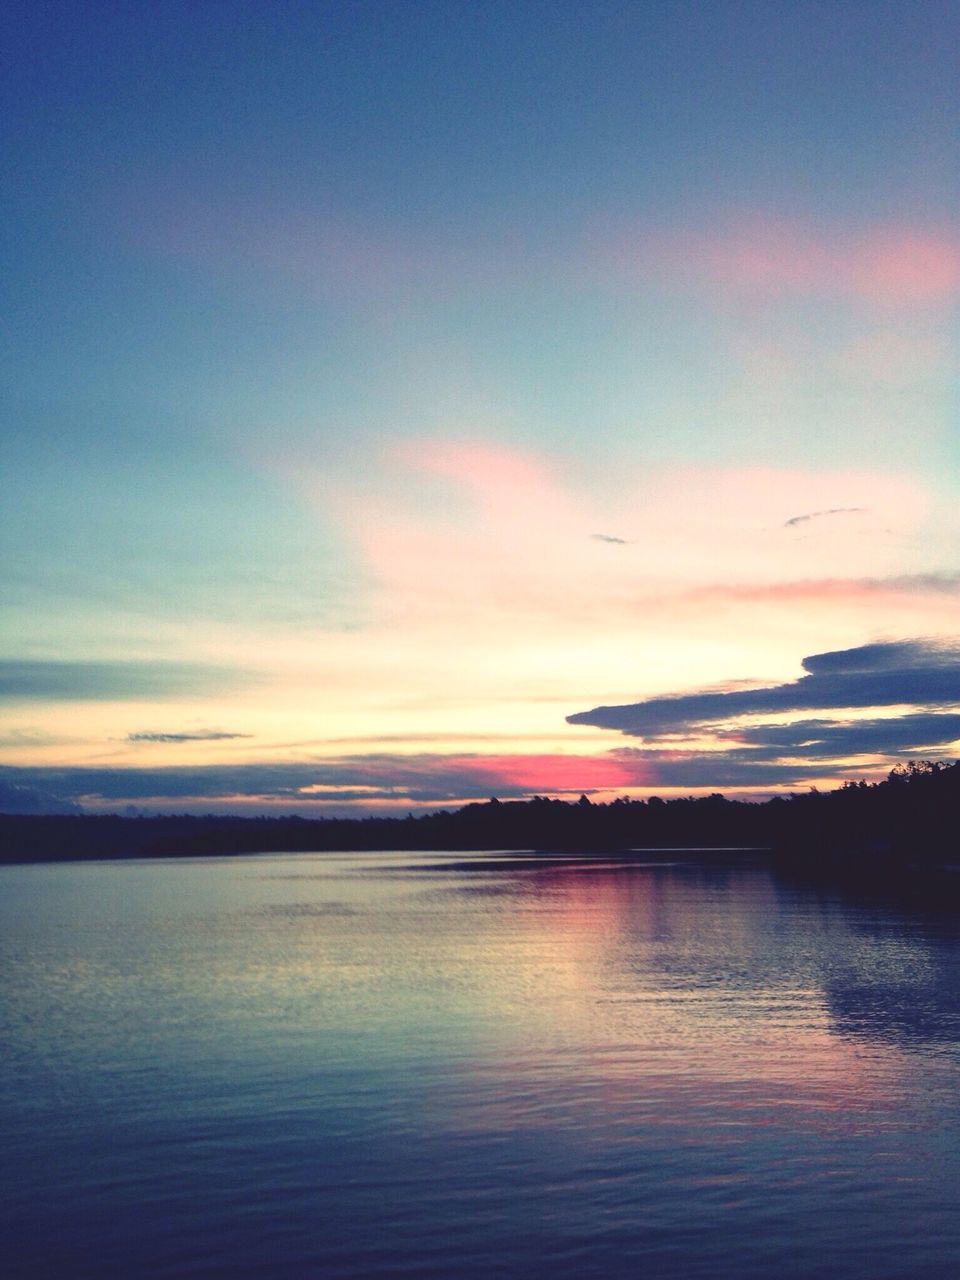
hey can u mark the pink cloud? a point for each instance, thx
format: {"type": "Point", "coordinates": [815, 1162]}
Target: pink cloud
{"type": "Point", "coordinates": [483, 468]}
{"type": "Point", "coordinates": [549, 773]}
{"type": "Point", "coordinates": [898, 265]}
{"type": "Point", "coordinates": [442, 777]}
{"type": "Point", "coordinates": [826, 590]}
{"type": "Point", "coordinates": [905, 265]}
{"type": "Point", "coordinates": [492, 543]}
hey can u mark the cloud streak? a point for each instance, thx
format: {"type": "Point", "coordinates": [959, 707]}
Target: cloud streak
{"type": "Point", "coordinates": [814, 590]}
{"type": "Point", "coordinates": [422, 779]}
{"type": "Point", "coordinates": [199, 735]}
{"type": "Point", "coordinates": [55, 681]}
{"type": "Point", "coordinates": [819, 515]}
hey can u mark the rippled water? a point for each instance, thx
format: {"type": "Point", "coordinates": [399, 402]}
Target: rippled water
{"type": "Point", "coordinates": [440, 1065]}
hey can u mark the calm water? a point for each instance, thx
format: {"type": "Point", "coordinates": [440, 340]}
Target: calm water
{"type": "Point", "coordinates": [423, 1065]}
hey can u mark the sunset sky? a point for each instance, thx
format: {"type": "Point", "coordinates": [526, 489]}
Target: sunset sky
{"type": "Point", "coordinates": [406, 403]}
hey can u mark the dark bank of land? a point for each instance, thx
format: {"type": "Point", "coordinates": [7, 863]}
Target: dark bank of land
{"type": "Point", "coordinates": [912, 817]}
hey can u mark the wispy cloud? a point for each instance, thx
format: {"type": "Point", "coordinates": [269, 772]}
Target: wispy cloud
{"type": "Point", "coordinates": [475, 528]}
{"type": "Point", "coordinates": [197, 735]}
{"type": "Point", "coordinates": [19, 737]}
{"type": "Point", "coordinates": [819, 515]}
{"type": "Point", "coordinates": [813, 591]}
{"type": "Point", "coordinates": [54, 681]}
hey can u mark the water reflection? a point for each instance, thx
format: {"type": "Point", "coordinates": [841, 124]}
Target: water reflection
{"type": "Point", "coordinates": [880, 961]}
{"type": "Point", "coordinates": [399, 1065]}
{"type": "Point", "coordinates": [896, 979]}
{"type": "Point", "coordinates": [679, 990]}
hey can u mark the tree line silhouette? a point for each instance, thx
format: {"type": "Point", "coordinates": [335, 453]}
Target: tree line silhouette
{"type": "Point", "coordinates": [911, 816]}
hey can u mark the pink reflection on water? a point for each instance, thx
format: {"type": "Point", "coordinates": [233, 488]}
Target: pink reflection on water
{"type": "Point", "coordinates": [668, 1000]}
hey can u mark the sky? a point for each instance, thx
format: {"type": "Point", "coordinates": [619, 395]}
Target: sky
{"type": "Point", "coordinates": [409, 403]}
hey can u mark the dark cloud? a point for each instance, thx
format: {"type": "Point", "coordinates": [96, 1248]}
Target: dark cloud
{"type": "Point", "coordinates": [819, 515]}
{"type": "Point", "coordinates": [26, 797]}
{"type": "Point", "coordinates": [948, 583]}
{"type": "Point", "coordinates": [199, 735]}
{"type": "Point", "coordinates": [608, 537]}
{"type": "Point", "coordinates": [720, 769]}
{"type": "Point", "coordinates": [912, 672]}
{"type": "Point", "coordinates": [766, 756]}
{"type": "Point", "coordinates": [428, 778]}
{"type": "Point", "coordinates": [891, 655]}
{"type": "Point", "coordinates": [894, 735]}
{"type": "Point", "coordinates": [45, 680]}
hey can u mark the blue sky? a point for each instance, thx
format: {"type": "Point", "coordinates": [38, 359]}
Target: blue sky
{"type": "Point", "coordinates": [337, 332]}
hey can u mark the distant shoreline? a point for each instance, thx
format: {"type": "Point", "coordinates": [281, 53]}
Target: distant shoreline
{"type": "Point", "coordinates": [913, 817]}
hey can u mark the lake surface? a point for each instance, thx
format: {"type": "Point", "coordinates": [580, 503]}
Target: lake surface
{"type": "Point", "coordinates": [386, 1065]}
